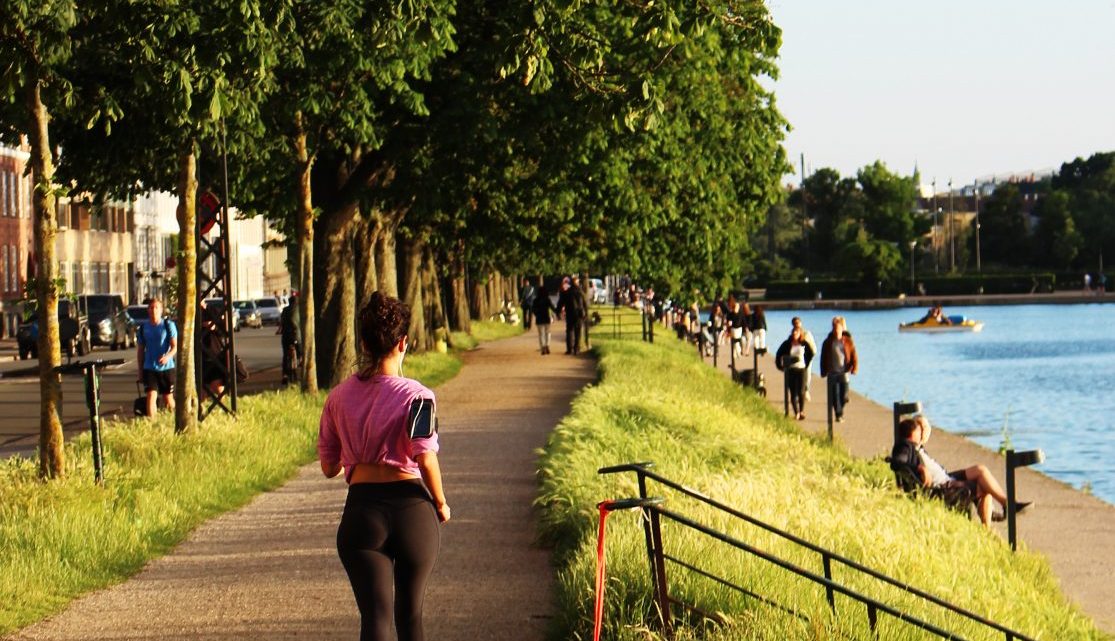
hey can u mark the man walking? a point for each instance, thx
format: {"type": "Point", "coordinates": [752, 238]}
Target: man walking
{"type": "Point", "coordinates": [838, 363]}
{"type": "Point", "coordinates": [290, 326]}
{"type": "Point", "coordinates": [526, 301]}
{"type": "Point", "coordinates": [571, 305]}
{"type": "Point", "coordinates": [156, 345]}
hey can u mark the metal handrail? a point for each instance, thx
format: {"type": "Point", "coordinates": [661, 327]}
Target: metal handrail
{"type": "Point", "coordinates": [641, 469]}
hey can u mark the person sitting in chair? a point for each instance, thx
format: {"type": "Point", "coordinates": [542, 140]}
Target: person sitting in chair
{"type": "Point", "coordinates": [910, 453]}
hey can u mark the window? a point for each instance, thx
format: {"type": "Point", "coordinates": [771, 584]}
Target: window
{"type": "Point", "coordinates": [4, 266]}
{"type": "Point", "coordinates": [13, 255]}
{"type": "Point", "coordinates": [4, 193]}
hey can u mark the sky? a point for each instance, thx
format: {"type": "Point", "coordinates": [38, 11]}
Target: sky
{"type": "Point", "coordinates": [964, 89]}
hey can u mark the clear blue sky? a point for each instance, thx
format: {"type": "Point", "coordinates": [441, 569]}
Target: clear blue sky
{"type": "Point", "coordinates": [964, 88]}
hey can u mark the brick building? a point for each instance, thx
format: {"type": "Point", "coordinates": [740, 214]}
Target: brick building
{"type": "Point", "coordinates": [15, 235]}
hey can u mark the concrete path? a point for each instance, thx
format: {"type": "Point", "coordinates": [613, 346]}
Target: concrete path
{"type": "Point", "coordinates": [1075, 531]}
{"type": "Point", "coordinates": [270, 570]}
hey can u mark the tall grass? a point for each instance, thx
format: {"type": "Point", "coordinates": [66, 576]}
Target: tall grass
{"type": "Point", "coordinates": [659, 403]}
{"type": "Point", "coordinates": [61, 539]}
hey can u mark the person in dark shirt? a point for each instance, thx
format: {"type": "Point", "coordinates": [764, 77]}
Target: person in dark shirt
{"type": "Point", "coordinates": [542, 307]}
{"type": "Point", "coordinates": [290, 326]}
{"type": "Point", "coordinates": [571, 306]}
{"type": "Point", "coordinates": [911, 455]}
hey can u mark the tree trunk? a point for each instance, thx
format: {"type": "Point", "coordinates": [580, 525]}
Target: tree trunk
{"type": "Point", "coordinates": [437, 324]}
{"type": "Point", "coordinates": [334, 288]}
{"type": "Point", "coordinates": [495, 305]}
{"type": "Point", "coordinates": [364, 247]}
{"type": "Point", "coordinates": [51, 453]}
{"type": "Point", "coordinates": [460, 316]}
{"type": "Point", "coordinates": [413, 248]}
{"type": "Point", "coordinates": [386, 269]}
{"type": "Point", "coordinates": [306, 308]}
{"type": "Point", "coordinates": [185, 388]}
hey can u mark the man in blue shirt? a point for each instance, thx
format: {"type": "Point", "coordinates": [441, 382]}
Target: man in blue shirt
{"type": "Point", "coordinates": [157, 343]}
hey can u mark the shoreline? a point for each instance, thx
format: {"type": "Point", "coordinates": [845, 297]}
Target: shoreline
{"type": "Point", "coordinates": [1074, 530]}
{"type": "Point", "coordinates": [1062, 298]}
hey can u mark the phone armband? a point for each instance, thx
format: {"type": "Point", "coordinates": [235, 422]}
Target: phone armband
{"type": "Point", "coordinates": [421, 420]}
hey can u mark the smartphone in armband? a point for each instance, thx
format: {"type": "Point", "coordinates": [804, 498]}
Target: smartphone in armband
{"type": "Point", "coordinates": [421, 420]}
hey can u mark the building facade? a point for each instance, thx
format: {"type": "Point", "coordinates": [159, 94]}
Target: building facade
{"type": "Point", "coordinates": [94, 247]}
{"type": "Point", "coordinates": [16, 240]}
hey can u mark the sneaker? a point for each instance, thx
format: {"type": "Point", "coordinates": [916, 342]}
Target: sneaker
{"type": "Point", "coordinates": [839, 419]}
{"type": "Point", "coordinates": [1022, 506]}
{"type": "Point", "coordinates": [998, 517]}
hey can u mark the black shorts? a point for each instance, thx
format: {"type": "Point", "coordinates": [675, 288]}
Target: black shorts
{"type": "Point", "coordinates": [960, 475]}
{"type": "Point", "coordinates": [163, 382]}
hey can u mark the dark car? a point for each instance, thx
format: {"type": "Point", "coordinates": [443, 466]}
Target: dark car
{"type": "Point", "coordinates": [218, 305]}
{"type": "Point", "coordinates": [73, 332]}
{"type": "Point", "coordinates": [108, 322]}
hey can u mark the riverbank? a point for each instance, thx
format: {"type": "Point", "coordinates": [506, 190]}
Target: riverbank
{"type": "Point", "coordinates": [1056, 298]}
{"type": "Point", "coordinates": [1073, 530]}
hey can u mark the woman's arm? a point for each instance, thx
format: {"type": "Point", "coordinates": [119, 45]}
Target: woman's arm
{"type": "Point", "coordinates": [431, 475]}
{"type": "Point", "coordinates": [331, 470]}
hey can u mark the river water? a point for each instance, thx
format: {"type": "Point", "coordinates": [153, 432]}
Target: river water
{"type": "Point", "coordinates": [1041, 375]}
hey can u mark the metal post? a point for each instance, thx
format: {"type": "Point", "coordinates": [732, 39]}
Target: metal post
{"type": "Point", "coordinates": [615, 321]}
{"type": "Point", "coordinates": [647, 534]}
{"type": "Point", "coordinates": [93, 402]}
{"type": "Point", "coordinates": [755, 367]}
{"type": "Point", "coordinates": [715, 341]}
{"type": "Point", "coordinates": [903, 409]}
{"type": "Point", "coordinates": [1016, 460]}
{"type": "Point", "coordinates": [827, 563]}
{"type": "Point", "coordinates": [785, 394]}
{"type": "Point", "coordinates": [650, 326]}
{"type": "Point", "coordinates": [643, 320]}
{"type": "Point", "coordinates": [662, 595]}
{"type": "Point", "coordinates": [979, 267]}
{"type": "Point", "coordinates": [829, 397]}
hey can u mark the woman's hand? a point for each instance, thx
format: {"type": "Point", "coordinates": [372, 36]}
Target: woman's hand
{"type": "Point", "coordinates": [443, 512]}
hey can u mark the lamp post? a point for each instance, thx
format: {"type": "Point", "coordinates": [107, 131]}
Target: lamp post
{"type": "Point", "coordinates": [936, 241]}
{"type": "Point", "coordinates": [979, 267]}
{"type": "Point", "coordinates": [913, 273]}
{"type": "Point", "coordinates": [952, 233]}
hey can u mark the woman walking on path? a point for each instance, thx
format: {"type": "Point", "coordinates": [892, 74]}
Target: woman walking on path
{"type": "Point", "coordinates": [542, 307]}
{"type": "Point", "coordinates": [380, 429]}
{"type": "Point", "coordinates": [793, 357]}
{"type": "Point", "coordinates": [838, 363]}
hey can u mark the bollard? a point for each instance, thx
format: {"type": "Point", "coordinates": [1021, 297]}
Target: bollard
{"type": "Point", "coordinates": [829, 397]}
{"type": "Point", "coordinates": [650, 325]}
{"type": "Point", "coordinates": [902, 408]}
{"type": "Point", "coordinates": [715, 342]}
{"type": "Point", "coordinates": [755, 369]}
{"type": "Point", "coordinates": [1016, 460]}
{"type": "Point", "coordinates": [785, 394]}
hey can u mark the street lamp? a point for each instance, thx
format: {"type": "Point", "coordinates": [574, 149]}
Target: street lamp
{"type": "Point", "coordinates": [936, 242]}
{"type": "Point", "coordinates": [913, 275]}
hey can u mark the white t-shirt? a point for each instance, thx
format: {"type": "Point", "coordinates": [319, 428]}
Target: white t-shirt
{"type": "Point", "coordinates": [938, 475]}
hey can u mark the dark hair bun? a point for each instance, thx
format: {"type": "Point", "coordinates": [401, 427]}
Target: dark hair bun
{"type": "Point", "coordinates": [383, 322]}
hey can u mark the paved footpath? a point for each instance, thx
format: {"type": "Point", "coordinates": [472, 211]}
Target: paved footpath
{"type": "Point", "coordinates": [1073, 530]}
{"type": "Point", "coordinates": [270, 570]}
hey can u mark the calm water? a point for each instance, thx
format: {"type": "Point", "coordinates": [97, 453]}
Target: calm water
{"type": "Point", "coordinates": [1044, 372]}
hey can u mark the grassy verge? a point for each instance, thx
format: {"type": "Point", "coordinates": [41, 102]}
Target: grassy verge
{"type": "Point", "coordinates": [658, 402]}
{"type": "Point", "coordinates": [61, 539]}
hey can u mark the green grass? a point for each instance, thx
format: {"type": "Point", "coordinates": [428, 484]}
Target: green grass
{"type": "Point", "coordinates": [61, 539]}
{"type": "Point", "coordinates": [659, 403]}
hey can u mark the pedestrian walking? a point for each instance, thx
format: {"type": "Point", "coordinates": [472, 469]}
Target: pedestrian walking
{"type": "Point", "coordinates": [838, 363]}
{"type": "Point", "coordinates": [794, 357]}
{"type": "Point", "coordinates": [759, 330]}
{"type": "Point", "coordinates": [541, 308]}
{"type": "Point", "coordinates": [380, 429]}
{"type": "Point", "coordinates": [807, 335]}
{"type": "Point", "coordinates": [156, 346]}
{"type": "Point", "coordinates": [526, 301]}
{"type": "Point", "coordinates": [571, 307]}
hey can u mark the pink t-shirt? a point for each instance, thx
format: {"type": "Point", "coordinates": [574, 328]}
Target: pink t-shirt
{"type": "Point", "coordinates": [365, 422]}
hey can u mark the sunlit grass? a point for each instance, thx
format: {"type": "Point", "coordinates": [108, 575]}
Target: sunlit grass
{"type": "Point", "coordinates": [61, 539]}
{"type": "Point", "coordinates": [659, 403]}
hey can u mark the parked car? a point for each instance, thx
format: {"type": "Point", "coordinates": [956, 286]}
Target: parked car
{"type": "Point", "coordinates": [269, 310]}
{"type": "Point", "coordinates": [598, 291]}
{"type": "Point", "coordinates": [73, 332]}
{"type": "Point", "coordinates": [218, 304]}
{"type": "Point", "coordinates": [108, 322]}
{"type": "Point", "coordinates": [249, 313]}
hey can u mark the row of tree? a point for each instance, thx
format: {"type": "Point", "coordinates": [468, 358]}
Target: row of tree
{"type": "Point", "coordinates": [860, 228]}
{"type": "Point", "coordinates": [423, 148]}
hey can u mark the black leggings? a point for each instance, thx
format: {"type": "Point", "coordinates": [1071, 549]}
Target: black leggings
{"type": "Point", "coordinates": [388, 541]}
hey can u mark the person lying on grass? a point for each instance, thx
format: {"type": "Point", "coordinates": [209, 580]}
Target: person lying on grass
{"type": "Point", "coordinates": [911, 453]}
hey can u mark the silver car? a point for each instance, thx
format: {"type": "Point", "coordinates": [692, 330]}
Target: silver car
{"type": "Point", "coordinates": [269, 310]}
{"type": "Point", "coordinates": [249, 313]}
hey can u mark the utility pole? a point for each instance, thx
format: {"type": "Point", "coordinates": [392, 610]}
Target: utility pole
{"type": "Point", "coordinates": [936, 246]}
{"type": "Point", "coordinates": [979, 267]}
{"type": "Point", "coordinates": [952, 233]}
{"type": "Point", "coordinates": [804, 216]}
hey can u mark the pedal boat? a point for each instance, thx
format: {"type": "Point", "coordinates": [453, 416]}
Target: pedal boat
{"type": "Point", "coordinates": [959, 324]}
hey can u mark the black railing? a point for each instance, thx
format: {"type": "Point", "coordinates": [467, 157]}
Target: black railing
{"type": "Point", "coordinates": [657, 558]}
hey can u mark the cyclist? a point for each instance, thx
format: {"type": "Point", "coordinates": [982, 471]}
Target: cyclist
{"type": "Point", "coordinates": [290, 326]}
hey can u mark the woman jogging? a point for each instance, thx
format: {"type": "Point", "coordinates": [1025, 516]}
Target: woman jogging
{"type": "Point", "coordinates": [380, 429]}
